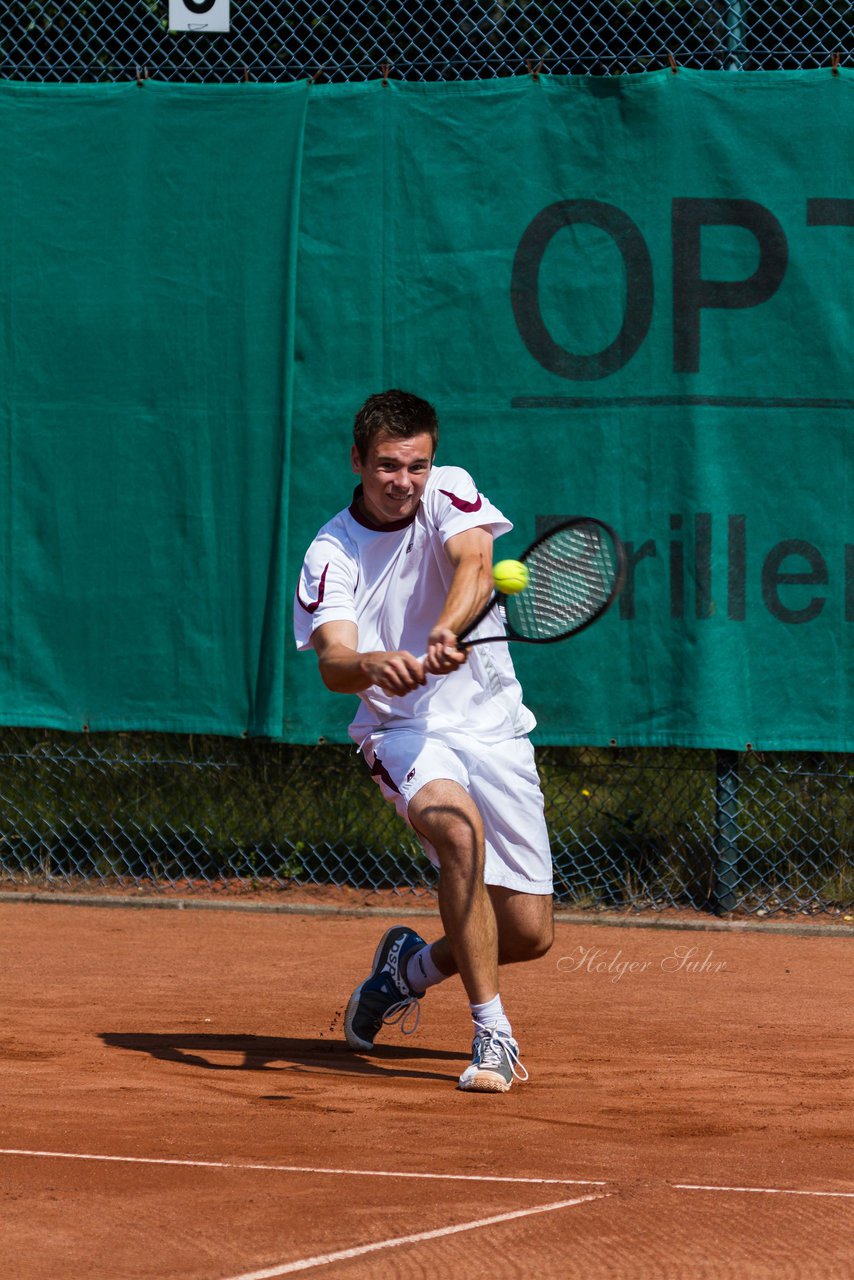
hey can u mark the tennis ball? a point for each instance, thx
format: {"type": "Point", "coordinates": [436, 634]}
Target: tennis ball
{"type": "Point", "coordinates": [510, 577]}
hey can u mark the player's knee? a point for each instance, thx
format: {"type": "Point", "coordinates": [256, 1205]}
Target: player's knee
{"type": "Point", "coordinates": [454, 830]}
{"type": "Point", "coordinates": [528, 941]}
{"type": "Point", "coordinates": [539, 944]}
{"type": "Point", "coordinates": [544, 941]}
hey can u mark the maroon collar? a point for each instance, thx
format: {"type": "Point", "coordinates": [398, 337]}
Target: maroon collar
{"type": "Point", "coordinates": [361, 516]}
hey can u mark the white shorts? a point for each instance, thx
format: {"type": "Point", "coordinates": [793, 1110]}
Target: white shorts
{"type": "Point", "coordinates": [500, 777]}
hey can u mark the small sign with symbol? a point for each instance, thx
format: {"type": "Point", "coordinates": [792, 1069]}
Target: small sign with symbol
{"type": "Point", "coordinates": [199, 15]}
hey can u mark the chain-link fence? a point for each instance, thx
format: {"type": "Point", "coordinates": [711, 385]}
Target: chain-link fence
{"type": "Point", "coordinates": [416, 39]}
{"type": "Point", "coordinates": [630, 829]}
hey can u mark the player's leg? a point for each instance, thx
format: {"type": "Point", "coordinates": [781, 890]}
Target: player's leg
{"type": "Point", "coordinates": [446, 816]}
{"type": "Point", "coordinates": [525, 925]}
{"type": "Point", "coordinates": [448, 819]}
{"type": "Point", "coordinates": [504, 785]}
{"type": "Point", "coordinates": [402, 764]}
{"type": "Point", "coordinates": [518, 873]}
{"type": "Point", "coordinates": [429, 783]}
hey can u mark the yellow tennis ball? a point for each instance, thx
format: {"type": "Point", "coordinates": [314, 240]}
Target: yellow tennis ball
{"type": "Point", "coordinates": [510, 577]}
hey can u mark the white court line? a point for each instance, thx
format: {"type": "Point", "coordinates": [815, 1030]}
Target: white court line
{"type": "Point", "coordinates": [297, 1168]}
{"type": "Point", "coordinates": [764, 1191]}
{"type": "Point", "coordinates": [396, 1173]}
{"type": "Point", "coordinates": [321, 1259]}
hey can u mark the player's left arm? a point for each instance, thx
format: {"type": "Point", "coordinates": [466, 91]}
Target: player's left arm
{"type": "Point", "coordinates": [470, 554]}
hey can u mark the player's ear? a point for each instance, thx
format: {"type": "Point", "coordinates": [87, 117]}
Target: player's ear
{"type": "Point", "coordinates": [355, 460]}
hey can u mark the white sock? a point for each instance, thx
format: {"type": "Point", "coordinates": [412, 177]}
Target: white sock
{"type": "Point", "coordinates": [421, 972]}
{"type": "Point", "coordinates": [491, 1014]}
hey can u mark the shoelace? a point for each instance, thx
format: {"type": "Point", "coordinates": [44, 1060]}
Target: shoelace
{"type": "Point", "coordinates": [402, 1013]}
{"type": "Point", "coordinates": [494, 1043]}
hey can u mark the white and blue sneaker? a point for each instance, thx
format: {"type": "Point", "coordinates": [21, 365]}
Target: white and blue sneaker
{"type": "Point", "coordinates": [385, 997]}
{"type": "Point", "coordinates": [494, 1062]}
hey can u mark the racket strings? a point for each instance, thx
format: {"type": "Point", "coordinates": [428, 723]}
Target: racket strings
{"type": "Point", "coordinates": [572, 578]}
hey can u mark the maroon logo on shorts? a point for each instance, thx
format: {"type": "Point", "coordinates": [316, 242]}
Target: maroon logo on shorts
{"type": "Point", "coordinates": [378, 770]}
{"type": "Point", "coordinates": [410, 775]}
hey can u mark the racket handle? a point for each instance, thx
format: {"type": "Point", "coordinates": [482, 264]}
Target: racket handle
{"type": "Point", "coordinates": [460, 645]}
{"type": "Point", "coordinates": [422, 660]}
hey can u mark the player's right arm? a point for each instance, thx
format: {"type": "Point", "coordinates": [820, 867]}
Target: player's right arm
{"type": "Point", "coordinates": [344, 669]}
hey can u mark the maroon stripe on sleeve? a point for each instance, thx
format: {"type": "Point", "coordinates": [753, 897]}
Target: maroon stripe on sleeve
{"type": "Point", "coordinates": [321, 587]}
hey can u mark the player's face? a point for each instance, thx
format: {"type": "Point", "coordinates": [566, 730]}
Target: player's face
{"type": "Point", "coordinates": [393, 476]}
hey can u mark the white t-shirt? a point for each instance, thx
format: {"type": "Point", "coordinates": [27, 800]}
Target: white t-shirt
{"type": "Point", "coordinates": [392, 582]}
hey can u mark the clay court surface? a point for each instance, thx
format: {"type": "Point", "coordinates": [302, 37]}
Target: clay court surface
{"type": "Point", "coordinates": [177, 1101]}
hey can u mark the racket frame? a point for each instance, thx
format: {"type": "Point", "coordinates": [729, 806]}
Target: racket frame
{"type": "Point", "coordinates": [499, 597]}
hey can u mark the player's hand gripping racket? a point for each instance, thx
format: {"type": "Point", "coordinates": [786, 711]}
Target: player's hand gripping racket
{"type": "Point", "coordinates": [575, 572]}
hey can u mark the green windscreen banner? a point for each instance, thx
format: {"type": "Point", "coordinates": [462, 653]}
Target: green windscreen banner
{"type": "Point", "coordinates": [627, 297]}
{"type": "Point", "coordinates": [630, 298]}
{"type": "Point", "coordinates": [147, 268]}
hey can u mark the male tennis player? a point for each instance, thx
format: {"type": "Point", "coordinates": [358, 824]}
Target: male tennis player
{"type": "Point", "coordinates": [396, 575]}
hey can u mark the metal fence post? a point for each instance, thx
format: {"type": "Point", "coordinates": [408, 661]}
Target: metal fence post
{"type": "Point", "coordinates": [734, 28]}
{"type": "Point", "coordinates": [724, 895]}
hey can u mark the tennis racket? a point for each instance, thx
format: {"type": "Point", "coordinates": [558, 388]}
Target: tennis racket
{"type": "Point", "coordinates": [575, 573]}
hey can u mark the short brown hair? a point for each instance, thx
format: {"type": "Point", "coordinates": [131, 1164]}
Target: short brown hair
{"type": "Point", "coordinates": [394, 413]}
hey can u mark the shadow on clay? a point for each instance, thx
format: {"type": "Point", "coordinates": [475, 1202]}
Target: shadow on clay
{"type": "Point", "coordinates": [280, 1053]}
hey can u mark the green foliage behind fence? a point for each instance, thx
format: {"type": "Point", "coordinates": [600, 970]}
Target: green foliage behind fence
{"type": "Point", "coordinates": [630, 829]}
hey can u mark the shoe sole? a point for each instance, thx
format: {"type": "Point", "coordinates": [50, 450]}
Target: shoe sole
{"type": "Point", "coordinates": [355, 1042]}
{"type": "Point", "coordinates": [485, 1082]}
